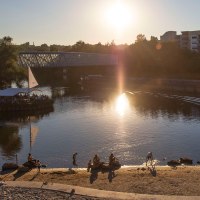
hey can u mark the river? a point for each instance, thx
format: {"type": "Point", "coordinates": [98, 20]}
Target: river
{"type": "Point", "coordinates": [128, 125]}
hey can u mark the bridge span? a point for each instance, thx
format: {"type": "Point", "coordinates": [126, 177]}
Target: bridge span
{"type": "Point", "coordinates": [67, 67]}
{"type": "Point", "coordinates": [66, 59]}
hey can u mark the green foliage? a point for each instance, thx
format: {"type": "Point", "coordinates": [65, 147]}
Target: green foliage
{"type": "Point", "coordinates": [10, 142]}
{"type": "Point", "coordinates": [145, 58]}
{"type": "Point", "coordinates": [44, 47]}
{"type": "Point", "coordinates": [9, 69]}
{"type": "Point", "coordinates": [161, 60]}
{"type": "Point", "coordinates": [140, 38]}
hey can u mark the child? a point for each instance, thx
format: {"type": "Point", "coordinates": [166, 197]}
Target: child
{"type": "Point", "coordinates": [38, 164]}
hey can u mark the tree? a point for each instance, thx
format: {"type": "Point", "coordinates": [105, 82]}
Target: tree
{"type": "Point", "coordinates": [154, 39]}
{"type": "Point", "coordinates": [140, 38]}
{"type": "Point", "coordinates": [54, 47]}
{"type": "Point", "coordinates": [79, 46]}
{"type": "Point", "coordinates": [9, 69]}
{"type": "Point", "coordinates": [44, 47]}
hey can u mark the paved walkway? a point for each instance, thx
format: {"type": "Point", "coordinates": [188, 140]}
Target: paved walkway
{"type": "Point", "coordinates": [94, 192]}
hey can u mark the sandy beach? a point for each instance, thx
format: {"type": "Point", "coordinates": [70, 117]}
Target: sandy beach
{"type": "Point", "coordinates": [164, 180]}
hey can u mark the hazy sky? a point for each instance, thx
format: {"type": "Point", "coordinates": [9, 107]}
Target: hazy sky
{"type": "Point", "coordinates": [67, 21]}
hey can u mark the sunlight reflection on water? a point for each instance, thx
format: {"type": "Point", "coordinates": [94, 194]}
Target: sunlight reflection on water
{"type": "Point", "coordinates": [127, 126]}
{"type": "Point", "coordinates": [122, 104]}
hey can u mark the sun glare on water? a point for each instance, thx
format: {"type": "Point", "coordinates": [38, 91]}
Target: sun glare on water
{"type": "Point", "coordinates": [119, 15]}
{"type": "Point", "coordinates": [122, 104]}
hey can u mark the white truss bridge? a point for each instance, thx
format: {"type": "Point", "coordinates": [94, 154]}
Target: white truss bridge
{"type": "Point", "coordinates": [66, 59]}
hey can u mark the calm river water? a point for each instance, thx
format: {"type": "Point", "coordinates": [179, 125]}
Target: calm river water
{"type": "Point", "coordinates": [128, 125]}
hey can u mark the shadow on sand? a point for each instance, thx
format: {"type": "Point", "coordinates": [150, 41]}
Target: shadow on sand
{"type": "Point", "coordinates": [111, 175]}
{"type": "Point", "coordinates": [152, 168]}
{"type": "Point", "coordinates": [153, 171]}
{"type": "Point", "coordinates": [5, 174]}
{"type": "Point", "coordinates": [94, 174]}
{"type": "Point", "coordinates": [18, 174]}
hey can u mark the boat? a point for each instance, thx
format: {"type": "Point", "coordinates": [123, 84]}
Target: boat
{"type": "Point", "coordinates": [24, 99]}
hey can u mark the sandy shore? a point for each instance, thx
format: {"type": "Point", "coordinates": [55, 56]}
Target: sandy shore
{"type": "Point", "coordinates": [183, 180]}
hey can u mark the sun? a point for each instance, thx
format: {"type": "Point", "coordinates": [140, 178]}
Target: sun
{"type": "Point", "coordinates": [119, 15]}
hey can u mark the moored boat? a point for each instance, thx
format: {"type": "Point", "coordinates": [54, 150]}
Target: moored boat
{"type": "Point", "coordinates": [23, 99]}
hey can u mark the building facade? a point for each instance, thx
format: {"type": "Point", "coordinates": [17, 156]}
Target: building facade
{"type": "Point", "coordinates": [169, 36]}
{"type": "Point", "coordinates": [188, 39]}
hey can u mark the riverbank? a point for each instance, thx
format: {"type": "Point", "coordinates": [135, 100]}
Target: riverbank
{"type": "Point", "coordinates": [164, 180]}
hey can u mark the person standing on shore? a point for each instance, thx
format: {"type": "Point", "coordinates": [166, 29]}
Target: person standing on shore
{"type": "Point", "coordinates": [149, 158]}
{"type": "Point", "coordinates": [74, 159]}
{"type": "Point", "coordinates": [111, 159]}
{"type": "Point", "coordinates": [38, 164]}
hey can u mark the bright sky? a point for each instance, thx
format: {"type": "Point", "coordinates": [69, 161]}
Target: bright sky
{"type": "Point", "coordinates": [68, 21]}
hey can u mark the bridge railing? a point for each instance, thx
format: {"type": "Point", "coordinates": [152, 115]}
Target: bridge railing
{"type": "Point", "coordinates": [65, 59]}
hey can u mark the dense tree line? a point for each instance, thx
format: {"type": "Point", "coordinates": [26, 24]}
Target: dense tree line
{"type": "Point", "coordinates": [143, 58]}
{"type": "Point", "coordinates": [77, 47]}
{"type": "Point", "coordinates": [162, 60]}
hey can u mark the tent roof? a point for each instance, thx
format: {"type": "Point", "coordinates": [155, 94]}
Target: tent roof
{"type": "Point", "coordinates": [14, 91]}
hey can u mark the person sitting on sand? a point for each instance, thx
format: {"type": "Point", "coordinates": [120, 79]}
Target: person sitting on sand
{"type": "Point", "coordinates": [96, 161]}
{"type": "Point", "coordinates": [30, 159]}
{"type": "Point", "coordinates": [111, 159]}
{"type": "Point", "coordinates": [149, 158]}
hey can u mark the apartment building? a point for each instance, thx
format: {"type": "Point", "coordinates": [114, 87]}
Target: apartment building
{"type": "Point", "coordinates": [190, 40]}
{"type": "Point", "coordinates": [169, 36]}
{"type": "Point", "coordinates": [187, 39]}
